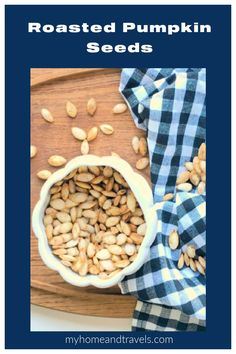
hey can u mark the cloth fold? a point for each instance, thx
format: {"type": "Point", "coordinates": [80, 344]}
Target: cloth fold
{"type": "Point", "coordinates": [170, 105]}
{"type": "Point", "coordinates": [164, 319]}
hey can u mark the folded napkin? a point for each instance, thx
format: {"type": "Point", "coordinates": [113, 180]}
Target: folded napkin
{"type": "Point", "coordinates": [170, 105]}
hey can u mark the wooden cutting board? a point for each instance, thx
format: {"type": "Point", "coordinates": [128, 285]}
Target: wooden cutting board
{"type": "Point", "coordinates": [51, 88]}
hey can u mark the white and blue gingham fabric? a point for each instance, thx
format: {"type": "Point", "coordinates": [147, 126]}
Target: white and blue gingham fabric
{"type": "Point", "coordinates": [170, 105]}
{"type": "Point", "coordinates": [149, 317]}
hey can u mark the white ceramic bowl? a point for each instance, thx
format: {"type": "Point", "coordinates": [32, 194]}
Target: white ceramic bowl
{"type": "Point", "coordinates": [143, 194]}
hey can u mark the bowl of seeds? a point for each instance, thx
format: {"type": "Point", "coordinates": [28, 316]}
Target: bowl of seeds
{"type": "Point", "coordinates": [94, 221]}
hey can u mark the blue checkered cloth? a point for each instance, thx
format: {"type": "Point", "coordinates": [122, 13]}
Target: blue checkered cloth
{"type": "Point", "coordinates": [170, 105]}
{"type": "Point", "coordinates": [149, 317]}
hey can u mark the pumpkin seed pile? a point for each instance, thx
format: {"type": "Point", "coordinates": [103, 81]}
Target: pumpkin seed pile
{"type": "Point", "coordinates": [195, 175]}
{"type": "Point", "coordinates": [93, 222]}
{"type": "Point", "coordinates": [189, 257]}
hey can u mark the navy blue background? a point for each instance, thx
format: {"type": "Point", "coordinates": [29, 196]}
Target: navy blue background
{"type": "Point", "coordinates": [24, 50]}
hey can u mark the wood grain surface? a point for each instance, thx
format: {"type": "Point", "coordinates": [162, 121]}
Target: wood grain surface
{"type": "Point", "coordinates": [50, 88]}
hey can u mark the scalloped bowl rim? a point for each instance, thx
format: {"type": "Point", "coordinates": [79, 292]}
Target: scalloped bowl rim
{"type": "Point", "coordinates": [143, 194]}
